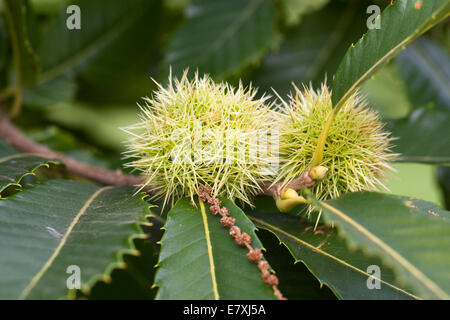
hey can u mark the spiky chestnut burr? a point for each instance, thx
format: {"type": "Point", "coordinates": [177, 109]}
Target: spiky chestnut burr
{"type": "Point", "coordinates": [199, 133]}
{"type": "Point", "coordinates": [357, 151]}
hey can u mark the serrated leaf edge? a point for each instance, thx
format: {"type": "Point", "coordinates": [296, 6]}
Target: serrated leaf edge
{"type": "Point", "coordinates": [267, 226]}
{"type": "Point", "coordinates": [105, 276]}
{"type": "Point", "coordinates": [389, 54]}
{"type": "Point", "coordinates": [28, 172]}
{"type": "Point", "coordinates": [120, 263]}
{"type": "Point", "coordinates": [421, 277]}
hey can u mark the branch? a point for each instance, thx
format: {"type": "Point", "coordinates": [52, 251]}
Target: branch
{"type": "Point", "coordinates": [20, 141]}
{"type": "Point", "coordinates": [303, 181]}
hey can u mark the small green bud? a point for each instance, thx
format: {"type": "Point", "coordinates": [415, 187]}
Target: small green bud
{"type": "Point", "coordinates": [289, 193]}
{"type": "Point", "coordinates": [318, 173]}
{"type": "Point", "coordinates": [286, 205]}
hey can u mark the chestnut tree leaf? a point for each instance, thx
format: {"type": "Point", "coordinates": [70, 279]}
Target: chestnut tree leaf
{"type": "Point", "coordinates": [48, 228]}
{"type": "Point", "coordinates": [132, 280]}
{"type": "Point", "coordinates": [93, 50]}
{"type": "Point", "coordinates": [200, 260]}
{"type": "Point", "coordinates": [15, 165]}
{"type": "Point", "coordinates": [424, 136]}
{"type": "Point", "coordinates": [24, 57]}
{"type": "Point", "coordinates": [296, 281]}
{"type": "Point", "coordinates": [311, 50]}
{"type": "Point", "coordinates": [222, 37]}
{"type": "Point", "coordinates": [400, 23]}
{"type": "Point", "coordinates": [327, 255]}
{"type": "Point", "coordinates": [101, 23]}
{"type": "Point", "coordinates": [425, 68]}
{"type": "Point", "coordinates": [410, 235]}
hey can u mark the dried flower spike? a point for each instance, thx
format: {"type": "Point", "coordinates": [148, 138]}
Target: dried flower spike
{"type": "Point", "coordinates": [357, 150]}
{"type": "Point", "coordinates": [197, 132]}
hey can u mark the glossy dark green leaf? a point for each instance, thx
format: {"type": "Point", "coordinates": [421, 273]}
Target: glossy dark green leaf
{"type": "Point", "coordinates": [64, 51]}
{"type": "Point", "coordinates": [100, 24]}
{"type": "Point", "coordinates": [387, 93]}
{"type": "Point", "coordinates": [311, 50]}
{"type": "Point", "coordinates": [106, 79]}
{"type": "Point", "coordinates": [296, 281]}
{"type": "Point", "coordinates": [139, 43]}
{"type": "Point", "coordinates": [425, 68]}
{"type": "Point", "coordinates": [25, 59]}
{"type": "Point", "coordinates": [6, 149]}
{"type": "Point", "coordinates": [47, 94]}
{"type": "Point", "coordinates": [62, 223]}
{"type": "Point", "coordinates": [424, 136]}
{"type": "Point", "coordinates": [200, 260]}
{"type": "Point", "coordinates": [410, 235]}
{"type": "Point", "coordinates": [222, 37]}
{"type": "Point", "coordinates": [130, 280]}
{"type": "Point", "coordinates": [15, 165]}
{"type": "Point", "coordinates": [400, 23]}
{"type": "Point", "coordinates": [326, 255]}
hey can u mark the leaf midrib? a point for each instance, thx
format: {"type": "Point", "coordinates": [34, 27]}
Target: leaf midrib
{"type": "Point", "coordinates": [306, 244]}
{"type": "Point", "coordinates": [61, 244]}
{"type": "Point", "coordinates": [210, 254]}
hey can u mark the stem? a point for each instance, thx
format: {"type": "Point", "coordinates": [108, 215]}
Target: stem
{"type": "Point", "coordinates": [15, 137]}
{"type": "Point", "coordinates": [18, 93]}
{"type": "Point", "coordinates": [318, 153]}
{"type": "Point", "coordinates": [6, 92]}
{"type": "Point", "coordinates": [20, 141]}
{"type": "Point", "coordinates": [286, 205]}
{"type": "Point", "coordinates": [17, 104]}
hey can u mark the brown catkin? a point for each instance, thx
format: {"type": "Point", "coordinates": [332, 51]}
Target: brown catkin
{"type": "Point", "coordinates": [255, 255]}
{"type": "Point", "coordinates": [241, 238]}
{"type": "Point", "coordinates": [227, 221]}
